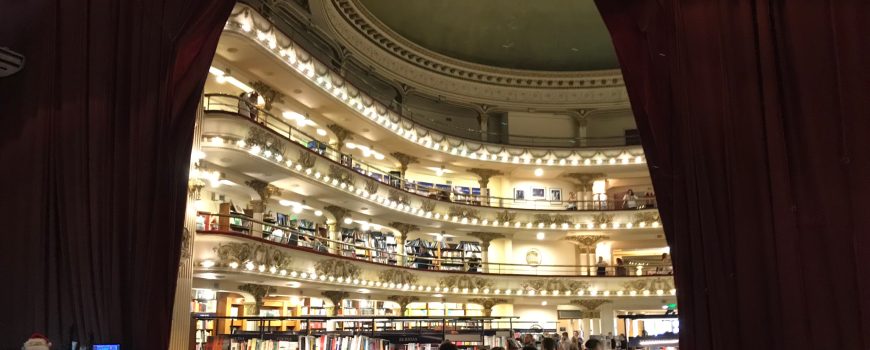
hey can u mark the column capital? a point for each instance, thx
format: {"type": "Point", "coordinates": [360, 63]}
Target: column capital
{"type": "Point", "coordinates": [585, 179]}
{"type": "Point", "coordinates": [264, 189]}
{"type": "Point", "coordinates": [484, 174]}
{"type": "Point", "coordinates": [258, 291]}
{"type": "Point", "coordinates": [341, 134]}
{"type": "Point", "coordinates": [486, 237]}
{"type": "Point", "coordinates": [338, 212]}
{"type": "Point", "coordinates": [404, 160]}
{"type": "Point", "coordinates": [591, 304]}
{"type": "Point", "coordinates": [269, 94]}
{"type": "Point", "coordinates": [403, 228]}
{"type": "Point", "coordinates": [586, 240]}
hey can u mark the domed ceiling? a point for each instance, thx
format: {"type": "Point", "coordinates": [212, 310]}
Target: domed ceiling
{"type": "Point", "coordinates": [551, 35]}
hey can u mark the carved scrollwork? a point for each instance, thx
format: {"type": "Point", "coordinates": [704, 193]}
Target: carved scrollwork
{"type": "Point", "coordinates": [337, 268]}
{"type": "Point", "coordinates": [462, 282]}
{"type": "Point", "coordinates": [591, 304]}
{"type": "Point", "coordinates": [555, 284]}
{"type": "Point", "coordinates": [371, 185]}
{"type": "Point", "coordinates": [506, 216]}
{"type": "Point", "coordinates": [255, 253]}
{"type": "Point", "coordinates": [269, 143]}
{"type": "Point", "coordinates": [547, 220]}
{"type": "Point", "coordinates": [258, 291]}
{"type": "Point", "coordinates": [397, 276]}
{"type": "Point", "coordinates": [269, 94]}
{"type": "Point", "coordinates": [403, 227]}
{"type": "Point", "coordinates": [487, 304]}
{"type": "Point", "coordinates": [647, 216]}
{"type": "Point", "coordinates": [335, 297]}
{"type": "Point", "coordinates": [306, 159]}
{"type": "Point", "coordinates": [650, 284]}
{"type": "Point", "coordinates": [403, 301]}
{"type": "Point", "coordinates": [399, 196]}
{"type": "Point", "coordinates": [341, 174]}
{"type": "Point", "coordinates": [463, 212]}
{"type": "Point", "coordinates": [602, 218]}
{"type": "Point", "coordinates": [427, 205]}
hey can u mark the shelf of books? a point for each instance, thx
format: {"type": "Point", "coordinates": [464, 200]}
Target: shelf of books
{"type": "Point", "coordinates": [374, 246]}
{"type": "Point", "coordinates": [466, 332]}
{"type": "Point", "coordinates": [444, 309]}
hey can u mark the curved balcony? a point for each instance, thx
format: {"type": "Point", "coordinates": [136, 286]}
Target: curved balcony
{"type": "Point", "coordinates": [300, 240]}
{"type": "Point", "coordinates": [246, 23]}
{"type": "Point", "coordinates": [232, 106]}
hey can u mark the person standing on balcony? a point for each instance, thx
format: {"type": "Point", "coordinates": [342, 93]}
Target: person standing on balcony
{"type": "Point", "coordinates": [602, 267]}
{"type": "Point", "coordinates": [665, 268]}
{"type": "Point", "coordinates": [620, 267]}
{"type": "Point", "coordinates": [572, 201]}
{"type": "Point", "coordinates": [244, 108]}
{"type": "Point", "coordinates": [253, 99]}
{"type": "Point", "coordinates": [629, 199]}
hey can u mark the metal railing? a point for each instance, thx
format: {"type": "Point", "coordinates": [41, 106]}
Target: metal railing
{"type": "Point", "coordinates": [423, 259]}
{"type": "Point", "coordinates": [233, 105]}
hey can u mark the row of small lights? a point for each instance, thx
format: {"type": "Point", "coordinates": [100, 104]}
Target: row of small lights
{"type": "Point", "coordinates": [256, 150]}
{"type": "Point", "coordinates": [311, 276]}
{"type": "Point", "coordinates": [268, 40]}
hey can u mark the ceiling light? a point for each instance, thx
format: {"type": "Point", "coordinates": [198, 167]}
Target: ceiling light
{"type": "Point", "coordinates": [439, 295]}
{"type": "Point", "coordinates": [285, 202]}
{"type": "Point", "coordinates": [292, 115]}
{"type": "Point", "coordinates": [318, 213]}
{"type": "Point", "coordinates": [348, 220]}
{"type": "Point", "coordinates": [363, 291]}
{"type": "Point", "coordinates": [221, 79]}
{"type": "Point", "coordinates": [539, 172]}
{"type": "Point", "coordinates": [297, 209]}
{"type": "Point", "coordinates": [540, 235]}
{"type": "Point", "coordinates": [321, 132]}
{"type": "Point", "coordinates": [544, 303]}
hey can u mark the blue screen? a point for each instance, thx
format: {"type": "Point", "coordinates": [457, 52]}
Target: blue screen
{"type": "Point", "coordinates": [107, 347]}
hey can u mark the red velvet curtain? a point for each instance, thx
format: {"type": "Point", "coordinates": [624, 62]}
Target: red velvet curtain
{"type": "Point", "coordinates": [95, 147]}
{"type": "Point", "coordinates": [754, 117]}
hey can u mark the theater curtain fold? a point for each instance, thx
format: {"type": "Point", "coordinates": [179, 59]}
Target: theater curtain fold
{"type": "Point", "coordinates": [95, 148]}
{"type": "Point", "coordinates": [754, 119]}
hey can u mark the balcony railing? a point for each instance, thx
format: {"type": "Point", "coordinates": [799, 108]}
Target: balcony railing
{"type": "Point", "coordinates": [233, 105]}
{"type": "Point", "coordinates": [295, 238]}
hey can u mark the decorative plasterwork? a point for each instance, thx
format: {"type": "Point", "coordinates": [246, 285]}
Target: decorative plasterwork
{"type": "Point", "coordinates": [602, 219]}
{"type": "Point", "coordinates": [269, 94]}
{"type": "Point", "coordinates": [399, 196]}
{"type": "Point", "coordinates": [548, 220]}
{"type": "Point", "coordinates": [268, 142]}
{"type": "Point", "coordinates": [591, 304]}
{"type": "Point", "coordinates": [337, 267]}
{"type": "Point", "coordinates": [403, 228]}
{"type": "Point", "coordinates": [306, 159]}
{"type": "Point", "coordinates": [649, 284]}
{"type": "Point", "coordinates": [341, 174]}
{"type": "Point", "coordinates": [555, 284]}
{"type": "Point", "coordinates": [371, 185]}
{"type": "Point", "coordinates": [397, 58]}
{"type": "Point", "coordinates": [403, 301]}
{"type": "Point", "coordinates": [506, 216]}
{"type": "Point", "coordinates": [484, 175]}
{"type": "Point", "coordinates": [587, 240]}
{"type": "Point", "coordinates": [335, 297]}
{"type": "Point", "coordinates": [488, 303]}
{"type": "Point", "coordinates": [464, 212]}
{"type": "Point", "coordinates": [264, 189]}
{"type": "Point", "coordinates": [250, 24]}
{"type": "Point", "coordinates": [397, 276]}
{"type": "Point", "coordinates": [486, 237]}
{"type": "Point", "coordinates": [339, 213]}
{"type": "Point", "coordinates": [341, 134]}
{"type": "Point", "coordinates": [463, 282]}
{"type": "Point", "coordinates": [647, 216]}
{"type": "Point", "coordinates": [258, 291]}
{"type": "Point", "coordinates": [253, 256]}
{"type": "Point", "coordinates": [404, 160]}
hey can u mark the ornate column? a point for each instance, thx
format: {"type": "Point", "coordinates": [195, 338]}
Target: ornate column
{"type": "Point", "coordinates": [259, 292]}
{"type": "Point", "coordinates": [179, 338]}
{"type": "Point", "coordinates": [403, 301]}
{"type": "Point", "coordinates": [483, 180]}
{"type": "Point", "coordinates": [335, 297]}
{"type": "Point", "coordinates": [487, 304]}
{"type": "Point", "coordinates": [593, 313]}
{"type": "Point", "coordinates": [265, 191]}
{"type": "Point", "coordinates": [269, 94]}
{"type": "Point", "coordinates": [485, 239]}
{"type": "Point", "coordinates": [584, 195]}
{"type": "Point", "coordinates": [404, 229]}
{"type": "Point", "coordinates": [586, 244]}
{"type": "Point", "coordinates": [341, 135]}
{"type": "Point", "coordinates": [339, 214]}
{"type": "Point", "coordinates": [404, 160]}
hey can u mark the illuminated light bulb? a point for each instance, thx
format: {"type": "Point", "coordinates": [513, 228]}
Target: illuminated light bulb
{"type": "Point", "coordinates": [564, 225]}
{"type": "Point", "coordinates": [207, 263]}
{"type": "Point", "coordinates": [540, 225]}
{"type": "Point", "coordinates": [348, 221]}
{"type": "Point", "coordinates": [507, 292]}
{"type": "Point", "coordinates": [603, 225]}
{"type": "Point", "coordinates": [474, 221]}
{"type": "Point", "coordinates": [562, 161]}
{"type": "Point", "coordinates": [529, 225]}
{"type": "Point", "coordinates": [485, 290]}
{"type": "Point", "coordinates": [606, 293]}
{"type": "Point", "coordinates": [550, 162]}
{"type": "Point", "coordinates": [615, 225]}
{"type": "Point", "coordinates": [246, 27]}
{"type": "Point", "coordinates": [638, 159]}
{"type": "Point", "coordinates": [539, 235]}
{"type": "Point", "coordinates": [619, 293]}
{"type": "Point", "coordinates": [538, 161]}
{"type": "Point", "coordinates": [544, 303]}
{"type": "Point", "coordinates": [497, 291]}
{"type": "Point", "coordinates": [632, 293]}
{"type": "Point", "coordinates": [587, 161]}
{"type": "Point", "coordinates": [516, 160]}
{"type": "Point", "coordinates": [612, 160]}
{"type": "Point", "coordinates": [655, 224]}
{"type": "Point", "coordinates": [574, 162]}
{"type": "Point", "coordinates": [539, 172]}
{"type": "Point", "coordinates": [600, 161]}
{"type": "Point", "coordinates": [297, 209]}
{"type": "Point", "coordinates": [282, 272]}
{"type": "Point", "coordinates": [308, 171]}
{"type": "Point", "coordinates": [555, 292]}
{"type": "Point", "coordinates": [303, 275]}
{"type": "Point", "coordinates": [294, 274]}
{"type": "Point", "coordinates": [577, 226]}
{"type": "Point", "coordinates": [625, 160]}
{"type": "Point", "coordinates": [593, 292]}
{"type": "Point", "coordinates": [321, 132]}
{"type": "Point", "coordinates": [249, 265]}
{"type": "Point", "coordinates": [484, 222]}
{"type": "Point", "coordinates": [673, 292]}
{"type": "Point", "coordinates": [273, 269]}
{"type": "Point", "coordinates": [255, 149]}
{"type": "Point", "coordinates": [580, 292]}
{"type": "Point", "coordinates": [645, 292]}
{"type": "Point", "coordinates": [642, 224]}
{"type": "Point", "coordinates": [629, 225]}
{"type": "Point", "coordinates": [660, 292]}
{"type": "Point", "coordinates": [234, 265]}
{"type": "Point", "coordinates": [220, 79]}
{"type": "Point", "coordinates": [553, 225]}
{"type": "Point", "coordinates": [298, 167]}
{"type": "Point", "coordinates": [517, 225]}
{"type": "Point", "coordinates": [543, 292]}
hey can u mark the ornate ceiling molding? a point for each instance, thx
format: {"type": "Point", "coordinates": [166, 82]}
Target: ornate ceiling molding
{"type": "Point", "coordinates": [376, 45]}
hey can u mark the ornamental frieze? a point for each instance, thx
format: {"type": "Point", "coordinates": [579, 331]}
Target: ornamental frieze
{"type": "Point", "coordinates": [337, 268]}
{"type": "Point", "coordinates": [463, 282]}
{"type": "Point", "coordinates": [397, 276]}
{"type": "Point", "coordinates": [555, 284]}
{"type": "Point", "coordinates": [258, 254]}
